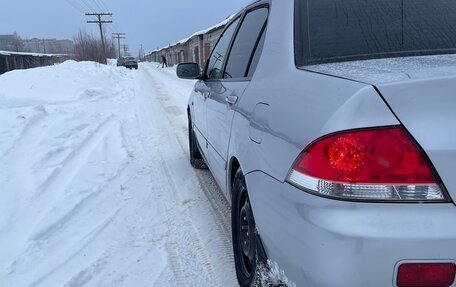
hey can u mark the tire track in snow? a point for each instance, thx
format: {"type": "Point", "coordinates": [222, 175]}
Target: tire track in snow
{"type": "Point", "coordinates": [85, 241]}
{"type": "Point", "coordinates": [57, 183]}
{"type": "Point", "coordinates": [12, 163]}
{"type": "Point", "coordinates": [28, 134]}
{"type": "Point", "coordinates": [55, 226]}
{"type": "Point", "coordinates": [220, 206]}
{"type": "Point", "coordinates": [86, 275]}
{"type": "Point", "coordinates": [186, 252]}
{"type": "Point", "coordinates": [62, 176]}
{"type": "Point", "coordinates": [218, 203]}
{"type": "Point", "coordinates": [195, 242]}
{"type": "Point", "coordinates": [49, 231]}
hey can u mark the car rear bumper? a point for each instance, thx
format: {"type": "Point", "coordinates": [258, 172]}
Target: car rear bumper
{"type": "Point", "coordinates": [328, 243]}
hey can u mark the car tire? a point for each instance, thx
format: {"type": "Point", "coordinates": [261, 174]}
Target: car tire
{"type": "Point", "coordinates": [196, 159]}
{"type": "Point", "coordinates": [244, 236]}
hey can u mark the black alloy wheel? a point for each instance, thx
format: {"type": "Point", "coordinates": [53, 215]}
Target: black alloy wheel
{"type": "Point", "coordinates": [196, 159]}
{"type": "Point", "coordinates": [243, 233]}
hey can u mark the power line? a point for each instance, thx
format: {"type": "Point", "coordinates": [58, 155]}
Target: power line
{"type": "Point", "coordinates": [76, 5]}
{"type": "Point", "coordinates": [98, 6]}
{"type": "Point", "coordinates": [87, 4]}
{"type": "Point", "coordinates": [101, 5]}
{"type": "Point", "coordinates": [104, 5]}
{"type": "Point", "coordinates": [116, 26]}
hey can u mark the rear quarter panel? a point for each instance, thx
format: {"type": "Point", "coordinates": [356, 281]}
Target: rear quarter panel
{"type": "Point", "coordinates": [301, 105]}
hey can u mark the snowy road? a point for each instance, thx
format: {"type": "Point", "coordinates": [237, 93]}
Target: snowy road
{"type": "Point", "coordinates": [95, 184]}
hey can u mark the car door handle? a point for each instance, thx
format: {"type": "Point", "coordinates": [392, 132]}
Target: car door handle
{"type": "Point", "coordinates": [232, 100]}
{"type": "Point", "coordinates": [206, 94]}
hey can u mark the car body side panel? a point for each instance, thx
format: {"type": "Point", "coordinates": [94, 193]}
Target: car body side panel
{"type": "Point", "coordinates": [310, 108]}
{"type": "Point", "coordinates": [219, 119]}
{"type": "Point", "coordinates": [197, 104]}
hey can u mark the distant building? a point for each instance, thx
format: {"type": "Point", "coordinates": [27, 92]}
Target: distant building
{"type": "Point", "coordinates": [45, 46]}
{"type": "Point", "coordinates": [48, 46]}
{"type": "Point", "coordinates": [6, 39]}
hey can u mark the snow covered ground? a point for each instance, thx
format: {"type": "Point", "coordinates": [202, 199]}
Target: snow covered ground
{"type": "Point", "coordinates": [96, 188]}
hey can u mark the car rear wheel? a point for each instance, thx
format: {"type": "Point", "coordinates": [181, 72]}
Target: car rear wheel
{"type": "Point", "coordinates": [243, 233]}
{"type": "Point", "coordinates": [196, 159]}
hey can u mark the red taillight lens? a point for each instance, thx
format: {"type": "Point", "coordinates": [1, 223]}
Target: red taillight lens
{"type": "Point", "coordinates": [366, 157]}
{"type": "Point", "coordinates": [426, 274]}
{"type": "Point", "coordinates": [370, 163]}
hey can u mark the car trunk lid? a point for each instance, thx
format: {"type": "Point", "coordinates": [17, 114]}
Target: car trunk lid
{"type": "Point", "coordinates": [427, 109]}
{"type": "Point", "coordinates": [390, 70]}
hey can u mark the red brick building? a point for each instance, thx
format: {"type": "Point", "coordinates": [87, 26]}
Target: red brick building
{"type": "Point", "coordinates": [196, 48]}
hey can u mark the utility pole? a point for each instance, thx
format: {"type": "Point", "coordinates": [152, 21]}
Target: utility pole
{"type": "Point", "coordinates": [141, 53]}
{"type": "Point", "coordinates": [118, 36]}
{"type": "Point", "coordinates": [125, 48]}
{"type": "Point", "coordinates": [100, 23]}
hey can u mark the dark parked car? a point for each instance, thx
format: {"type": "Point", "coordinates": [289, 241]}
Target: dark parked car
{"type": "Point", "coordinates": [128, 62]}
{"type": "Point", "coordinates": [330, 126]}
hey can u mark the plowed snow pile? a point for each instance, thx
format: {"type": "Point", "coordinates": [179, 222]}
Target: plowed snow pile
{"type": "Point", "coordinates": [95, 185]}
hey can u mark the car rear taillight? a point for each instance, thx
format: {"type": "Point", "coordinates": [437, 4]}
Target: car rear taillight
{"type": "Point", "coordinates": [425, 274]}
{"type": "Point", "coordinates": [370, 164]}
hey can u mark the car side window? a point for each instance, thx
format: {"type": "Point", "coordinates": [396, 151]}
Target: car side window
{"type": "Point", "coordinates": [256, 56]}
{"type": "Point", "coordinates": [245, 43]}
{"type": "Point", "coordinates": [218, 57]}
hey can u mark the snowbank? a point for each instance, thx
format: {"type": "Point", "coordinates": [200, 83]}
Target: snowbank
{"type": "Point", "coordinates": [95, 182]}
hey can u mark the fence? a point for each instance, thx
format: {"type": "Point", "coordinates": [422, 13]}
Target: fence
{"type": "Point", "coordinates": [12, 61]}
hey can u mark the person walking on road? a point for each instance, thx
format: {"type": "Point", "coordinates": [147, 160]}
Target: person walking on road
{"type": "Point", "coordinates": [163, 60]}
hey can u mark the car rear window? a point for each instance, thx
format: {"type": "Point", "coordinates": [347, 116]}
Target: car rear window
{"type": "Point", "coordinates": [343, 30]}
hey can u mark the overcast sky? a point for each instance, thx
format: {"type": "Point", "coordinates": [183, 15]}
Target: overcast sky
{"type": "Point", "coordinates": [153, 23]}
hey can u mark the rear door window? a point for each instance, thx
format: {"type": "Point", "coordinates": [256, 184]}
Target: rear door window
{"type": "Point", "coordinates": [245, 43]}
{"type": "Point", "coordinates": [256, 56]}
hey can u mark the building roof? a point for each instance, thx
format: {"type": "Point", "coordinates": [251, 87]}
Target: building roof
{"type": "Point", "coordinates": [202, 32]}
{"type": "Point", "coordinates": [9, 53]}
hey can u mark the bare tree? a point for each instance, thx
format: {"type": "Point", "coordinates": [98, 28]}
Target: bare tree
{"type": "Point", "coordinates": [89, 48]}
{"type": "Point", "coordinates": [18, 46]}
